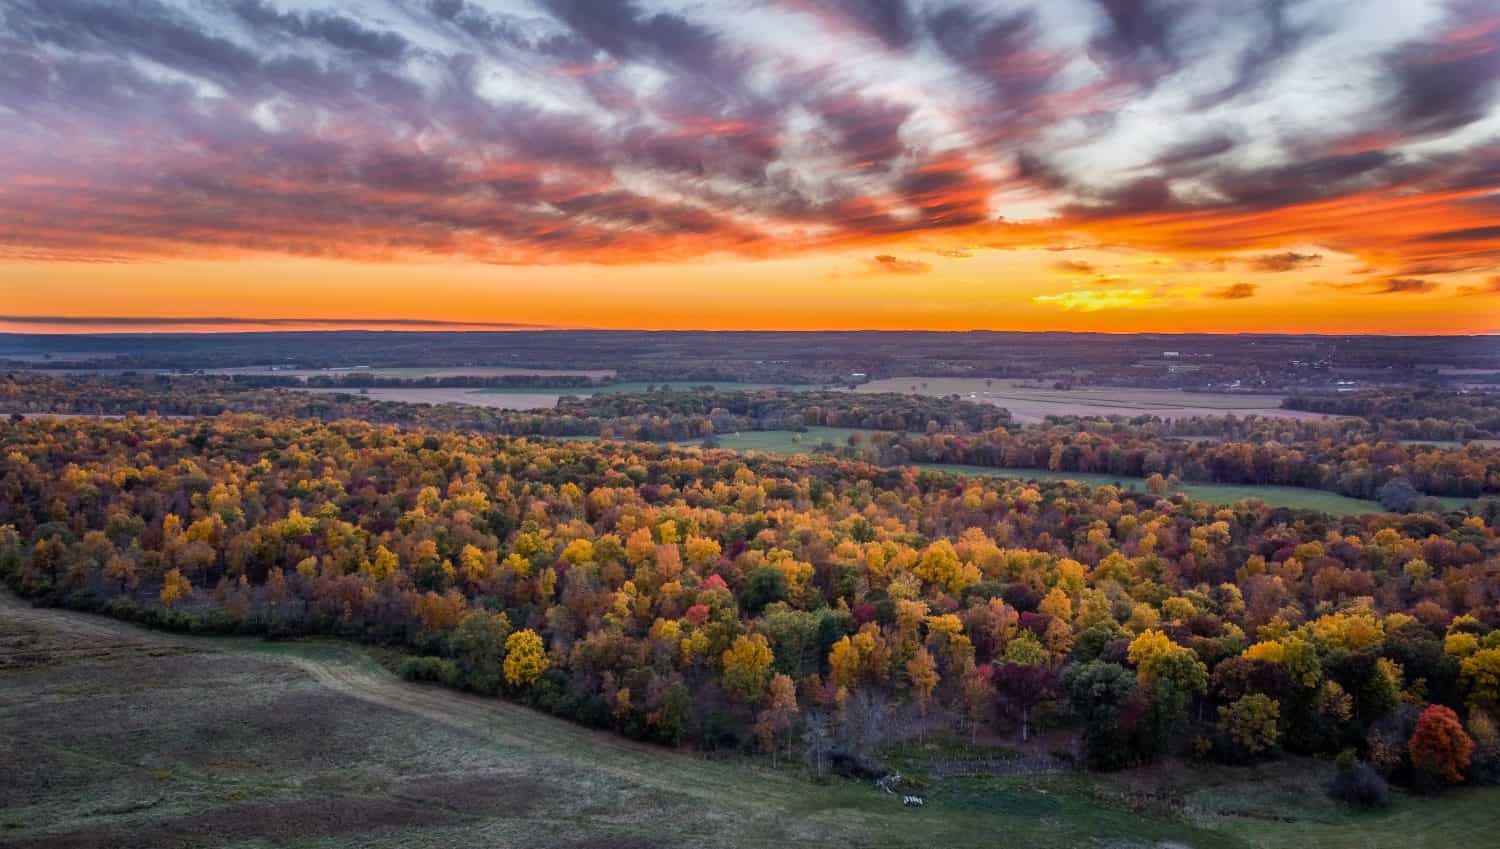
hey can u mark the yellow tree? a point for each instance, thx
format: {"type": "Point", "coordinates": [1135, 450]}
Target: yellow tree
{"type": "Point", "coordinates": [525, 658]}
{"type": "Point", "coordinates": [746, 662]}
{"type": "Point", "coordinates": [922, 671]}
{"type": "Point", "coordinates": [175, 588]}
{"type": "Point", "coordinates": [777, 717]}
{"type": "Point", "coordinates": [1481, 674]}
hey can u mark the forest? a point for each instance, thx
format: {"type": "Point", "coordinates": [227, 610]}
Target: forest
{"type": "Point", "coordinates": [1351, 456]}
{"type": "Point", "coordinates": [821, 606]}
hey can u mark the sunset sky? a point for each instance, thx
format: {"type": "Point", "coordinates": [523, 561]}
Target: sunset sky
{"type": "Point", "coordinates": [1119, 165]}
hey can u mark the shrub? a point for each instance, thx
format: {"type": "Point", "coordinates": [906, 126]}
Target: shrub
{"type": "Point", "coordinates": [1358, 784]}
{"type": "Point", "coordinates": [438, 670]}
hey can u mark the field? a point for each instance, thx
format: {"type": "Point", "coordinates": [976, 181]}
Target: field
{"type": "Point", "coordinates": [413, 373]}
{"type": "Point", "coordinates": [787, 441]}
{"type": "Point", "coordinates": [516, 398]}
{"type": "Point", "coordinates": [113, 736]}
{"type": "Point", "coordinates": [526, 399]}
{"type": "Point", "coordinates": [1029, 404]}
{"type": "Point", "coordinates": [1213, 493]}
{"type": "Point", "coordinates": [792, 442]}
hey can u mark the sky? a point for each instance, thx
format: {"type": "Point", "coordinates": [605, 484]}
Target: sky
{"type": "Point", "coordinates": [1095, 165]}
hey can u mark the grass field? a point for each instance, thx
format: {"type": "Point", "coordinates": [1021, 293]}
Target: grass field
{"type": "Point", "coordinates": [518, 397]}
{"type": "Point", "coordinates": [1213, 493]}
{"type": "Point", "coordinates": [788, 441]}
{"type": "Point", "coordinates": [643, 386]}
{"type": "Point", "coordinates": [791, 442]}
{"type": "Point", "coordinates": [1028, 403]}
{"type": "Point", "coordinates": [413, 372]}
{"type": "Point", "coordinates": [112, 736]}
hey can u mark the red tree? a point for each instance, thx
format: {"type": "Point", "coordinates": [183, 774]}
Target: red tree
{"type": "Point", "coordinates": [1439, 747]}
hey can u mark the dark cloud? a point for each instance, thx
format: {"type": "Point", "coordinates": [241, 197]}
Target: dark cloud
{"type": "Point", "coordinates": [1490, 287]}
{"type": "Point", "coordinates": [332, 28]}
{"type": "Point", "coordinates": [1136, 40]}
{"type": "Point", "coordinates": [1234, 292]}
{"type": "Point", "coordinates": [1073, 266]}
{"type": "Point", "coordinates": [1448, 82]}
{"type": "Point", "coordinates": [1191, 152]}
{"type": "Point", "coordinates": [1404, 286]}
{"type": "Point", "coordinates": [897, 265]}
{"type": "Point", "coordinates": [1466, 234]}
{"type": "Point", "coordinates": [1286, 261]}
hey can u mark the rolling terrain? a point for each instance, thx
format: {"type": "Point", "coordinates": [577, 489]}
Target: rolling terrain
{"type": "Point", "coordinates": [116, 736]}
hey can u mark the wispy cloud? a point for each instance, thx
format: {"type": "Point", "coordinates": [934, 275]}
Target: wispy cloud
{"type": "Point", "coordinates": [170, 322]}
{"type": "Point", "coordinates": [897, 265]}
{"type": "Point", "coordinates": [1287, 261]}
{"type": "Point", "coordinates": [1235, 292]}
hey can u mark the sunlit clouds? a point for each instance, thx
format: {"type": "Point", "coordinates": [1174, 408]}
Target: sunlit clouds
{"type": "Point", "coordinates": [1255, 164]}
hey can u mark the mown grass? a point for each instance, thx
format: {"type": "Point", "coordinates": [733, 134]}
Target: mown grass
{"type": "Point", "coordinates": [643, 386]}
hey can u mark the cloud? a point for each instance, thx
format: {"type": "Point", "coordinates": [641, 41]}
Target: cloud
{"type": "Point", "coordinates": [1287, 261]}
{"type": "Point", "coordinates": [1464, 235]}
{"type": "Point", "coordinates": [1405, 286]}
{"type": "Point", "coordinates": [1234, 292]}
{"type": "Point", "coordinates": [896, 265]}
{"type": "Point", "coordinates": [1093, 300]}
{"type": "Point", "coordinates": [1490, 287]}
{"type": "Point", "coordinates": [169, 322]}
{"type": "Point", "coordinates": [954, 253]}
{"type": "Point", "coordinates": [615, 131]}
{"type": "Point", "coordinates": [1073, 266]}
{"type": "Point", "coordinates": [1448, 82]}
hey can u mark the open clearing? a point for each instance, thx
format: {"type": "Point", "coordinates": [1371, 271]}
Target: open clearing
{"type": "Point", "coordinates": [1213, 493]}
{"type": "Point", "coordinates": [792, 442]}
{"type": "Point", "coordinates": [517, 398]}
{"type": "Point", "coordinates": [526, 399]}
{"type": "Point", "coordinates": [1029, 403]}
{"type": "Point", "coordinates": [114, 736]}
{"type": "Point", "coordinates": [412, 372]}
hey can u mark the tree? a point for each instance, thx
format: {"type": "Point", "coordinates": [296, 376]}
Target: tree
{"type": "Point", "coordinates": [525, 658]}
{"type": "Point", "coordinates": [174, 588]}
{"type": "Point", "coordinates": [1251, 723]}
{"type": "Point", "coordinates": [781, 709]}
{"type": "Point", "coordinates": [1100, 693]}
{"type": "Point", "coordinates": [1170, 675]}
{"type": "Point", "coordinates": [478, 644]}
{"type": "Point", "coordinates": [1021, 688]}
{"type": "Point", "coordinates": [1440, 748]}
{"type": "Point", "coordinates": [746, 662]}
{"type": "Point", "coordinates": [1480, 672]}
{"type": "Point", "coordinates": [922, 671]}
{"type": "Point", "coordinates": [1397, 495]}
{"type": "Point", "coordinates": [1025, 650]}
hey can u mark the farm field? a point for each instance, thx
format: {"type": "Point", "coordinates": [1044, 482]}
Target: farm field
{"type": "Point", "coordinates": [1027, 404]}
{"type": "Point", "coordinates": [115, 736]}
{"type": "Point", "coordinates": [643, 386]}
{"type": "Point", "coordinates": [411, 373]}
{"type": "Point", "coordinates": [527, 399]}
{"type": "Point", "coordinates": [516, 398]}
